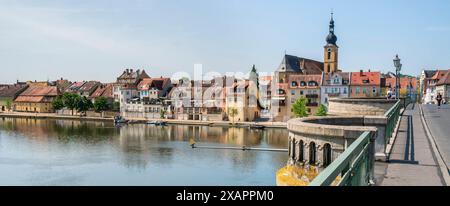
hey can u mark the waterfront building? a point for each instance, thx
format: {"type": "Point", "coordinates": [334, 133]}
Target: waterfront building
{"type": "Point", "coordinates": [198, 100]}
{"type": "Point", "coordinates": [36, 99]}
{"type": "Point", "coordinates": [242, 97]}
{"type": "Point", "coordinates": [365, 84]}
{"type": "Point", "coordinates": [104, 90]}
{"type": "Point", "coordinates": [150, 103]}
{"type": "Point", "coordinates": [154, 88]}
{"type": "Point", "coordinates": [88, 88]}
{"type": "Point", "coordinates": [7, 95]}
{"type": "Point", "coordinates": [335, 85]}
{"type": "Point", "coordinates": [125, 88]}
{"type": "Point", "coordinates": [443, 86]}
{"type": "Point", "coordinates": [304, 86]}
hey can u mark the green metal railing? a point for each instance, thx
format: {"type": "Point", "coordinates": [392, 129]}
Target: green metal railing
{"type": "Point", "coordinates": [392, 115]}
{"type": "Point", "coordinates": [354, 167]}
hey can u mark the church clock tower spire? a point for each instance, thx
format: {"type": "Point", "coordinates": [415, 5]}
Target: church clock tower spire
{"type": "Point", "coordinates": [331, 50]}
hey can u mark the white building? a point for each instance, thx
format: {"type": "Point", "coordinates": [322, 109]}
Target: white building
{"type": "Point", "coordinates": [335, 85]}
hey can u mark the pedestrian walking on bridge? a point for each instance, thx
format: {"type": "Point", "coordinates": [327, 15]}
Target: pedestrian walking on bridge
{"type": "Point", "coordinates": [439, 100]}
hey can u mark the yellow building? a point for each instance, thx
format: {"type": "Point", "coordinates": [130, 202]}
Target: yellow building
{"type": "Point", "coordinates": [36, 99]}
{"type": "Point", "coordinates": [242, 97]}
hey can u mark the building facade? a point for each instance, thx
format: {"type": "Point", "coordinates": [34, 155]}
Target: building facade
{"type": "Point", "coordinates": [335, 85]}
{"type": "Point", "coordinates": [36, 99]}
{"type": "Point", "coordinates": [7, 95]}
{"type": "Point", "coordinates": [443, 87]}
{"type": "Point", "coordinates": [365, 84]}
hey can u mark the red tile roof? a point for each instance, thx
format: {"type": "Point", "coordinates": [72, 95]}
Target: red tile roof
{"type": "Point", "coordinates": [38, 94]}
{"type": "Point", "coordinates": [40, 91]}
{"type": "Point", "coordinates": [365, 79]}
{"type": "Point", "coordinates": [445, 80]}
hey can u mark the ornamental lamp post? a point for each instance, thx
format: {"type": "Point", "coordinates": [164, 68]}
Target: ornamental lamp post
{"type": "Point", "coordinates": [398, 67]}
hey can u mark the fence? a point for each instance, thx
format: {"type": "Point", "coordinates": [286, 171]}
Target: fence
{"type": "Point", "coordinates": [354, 167]}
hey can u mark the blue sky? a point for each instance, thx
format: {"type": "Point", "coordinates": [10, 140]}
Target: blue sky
{"type": "Point", "coordinates": [97, 39]}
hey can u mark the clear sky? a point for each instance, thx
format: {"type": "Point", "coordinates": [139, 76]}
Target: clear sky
{"type": "Point", "coordinates": [97, 39]}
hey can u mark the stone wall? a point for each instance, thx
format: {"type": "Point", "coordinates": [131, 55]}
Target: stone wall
{"type": "Point", "coordinates": [311, 136]}
{"type": "Point", "coordinates": [351, 107]}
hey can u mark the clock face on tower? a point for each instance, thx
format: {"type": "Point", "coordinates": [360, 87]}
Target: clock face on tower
{"type": "Point", "coordinates": [329, 50]}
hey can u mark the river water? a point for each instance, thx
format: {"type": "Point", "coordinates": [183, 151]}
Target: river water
{"type": "Point", "coordinates": [67, 152]}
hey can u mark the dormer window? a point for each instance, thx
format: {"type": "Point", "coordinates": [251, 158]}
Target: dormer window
{"type": "Point", "coordinates": [303, 84]}
{"type": "Point", "coordinates": [294, 84]}
{"type": "Point", "coordinates": [312, 83]}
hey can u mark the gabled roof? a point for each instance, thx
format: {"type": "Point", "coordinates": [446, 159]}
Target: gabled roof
{"type": "Point", "coordinates": [439, 74]}
{"type": "Point", "coordinates": [145, 84]}
{"type": "Point", "coordinates": [429, 73]}
{"type": "Point", "coordinates": [445, 80]}
{"type": "Point", "coordinates": [75, 86]}
{"type": "Point", "coordinates": [104, 90]}
{"type": "Point", "coordinates": [365, 79]}
{"type": "Point", "coordinates": [160, 83]}
{"type": "Point", "coordinates": [11, 91]}
{"type": "Point", "coordinates": [38, 94]}
{"type": "Point", "coordinates": [300, 65]}
{"type": "Point", "coordinates": [88, 86]}
{"type": "Point", "coordinates": [344, 75]}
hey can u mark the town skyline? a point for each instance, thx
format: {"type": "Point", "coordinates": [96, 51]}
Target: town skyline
{"type": "Point", "coordinates": [74, 41]}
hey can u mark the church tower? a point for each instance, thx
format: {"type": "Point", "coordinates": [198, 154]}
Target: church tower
{"type": "Point", "coordinates": [331, 51]}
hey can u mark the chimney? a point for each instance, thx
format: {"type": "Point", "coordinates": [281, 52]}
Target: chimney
{"type": "Point", "coordinates": [361, 72]}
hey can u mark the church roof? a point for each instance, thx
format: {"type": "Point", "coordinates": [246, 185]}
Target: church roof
{"type": "Point", "coordinates": [300, 65]}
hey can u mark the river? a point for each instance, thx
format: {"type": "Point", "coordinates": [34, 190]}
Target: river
{"type": "Point", "coordinates": [72, 153]}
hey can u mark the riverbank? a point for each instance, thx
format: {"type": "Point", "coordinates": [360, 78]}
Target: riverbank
{"type": "Point", "coordinates": [281, 125]}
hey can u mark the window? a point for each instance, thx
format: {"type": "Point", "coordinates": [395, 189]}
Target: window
{"type": "Point", "coordinates": [303, 84]}
{"type": "Point", "coordinates": [328, 68]}
{"type": "Point", "coordinates": [301, 92]}
{"type": "Point", "coordinates": [292, 92]}
{"type": "Point", "coordinates": [357, 90]}
{"type": "Point", "coordinates": [327, 155]}
{"type": "Point", "coordinates": [329, 54]}
{"type": "Point", "coordinates": [312, 153]}
{"type": "Point", "coordinates": [364, 90]}
{"type": "Point", "coordinates": [374, 90]}
{"type": "Point", "coordinates": [294, 84]}
{"type": "Point", "coordinates": [312, 83]}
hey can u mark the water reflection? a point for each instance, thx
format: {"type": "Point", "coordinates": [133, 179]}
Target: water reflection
{"type": "Point", "coordinates": [137, 154]}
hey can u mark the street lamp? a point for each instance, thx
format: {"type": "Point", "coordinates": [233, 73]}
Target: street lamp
{"type": "Point", "coordinates": [398, 67]}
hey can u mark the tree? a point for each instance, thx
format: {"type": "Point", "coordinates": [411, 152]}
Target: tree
{"type": "Point", "coordinates": [322, 111]}
{"type": "Point", "coordinates": [299, 108]}
{"type": "Point", "coordinates": [101, 104]}
{"type": "Point", "coordinates": [83, 105]}
{"type": "Point", "coordinates": [70, 100]}
{"type": "Point", "coordinates": [8, 104]}
{"type": "Point", "coordinates": [116, 106]}
{"type": "Point", "coordinates": [162, 113]}
{"type": "Point", "coordinates": [233, 112]}
{"type": "Point", "coordinates": [58, 103]}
